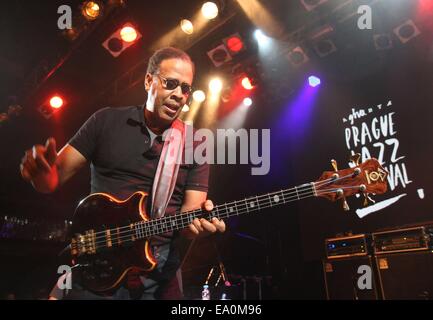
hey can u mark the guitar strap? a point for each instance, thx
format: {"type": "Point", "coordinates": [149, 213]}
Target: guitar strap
{"type": "Point", "coordinates": [168, 168]}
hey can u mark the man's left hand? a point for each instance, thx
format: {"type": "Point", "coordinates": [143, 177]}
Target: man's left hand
{"type": "Point", "coordinates": [202, 227]}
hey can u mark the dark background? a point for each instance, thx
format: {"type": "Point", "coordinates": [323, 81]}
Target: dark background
{"type": "Point", "coordinates": [283, 245]}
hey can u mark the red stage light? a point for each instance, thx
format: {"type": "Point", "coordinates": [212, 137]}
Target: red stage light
{"type": "Point", "coordinates": [235, 44]}
{"type": "Point", "coordinates": [56, 102]}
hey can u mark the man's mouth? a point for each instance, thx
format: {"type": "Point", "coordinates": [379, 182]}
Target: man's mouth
{"type": "Point", "coordinates": [171, 108]}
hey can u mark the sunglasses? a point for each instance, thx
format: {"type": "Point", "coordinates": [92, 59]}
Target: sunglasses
{"type": "Point", "coordinates": [171, 84]}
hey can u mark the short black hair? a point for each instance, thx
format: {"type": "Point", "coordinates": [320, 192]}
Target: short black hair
{"type": "Point", "coordinates": [164, 54]}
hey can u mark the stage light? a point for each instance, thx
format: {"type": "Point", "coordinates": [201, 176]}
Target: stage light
{"type": "Point", "coordinates": [259, 35]}
{"type": "Point", "coordinates": [406, 31]}
{"type": "Point", "coordinates": [91, 10]}
{"type": "Point", "coordinates": [263, 40]}
{"type": "Point", "coordinates": [297, 56]}
{"type": "Point", "coordinates": [234, 43]}
{"type": "Point", "coordinates": [215, 86]}
{"type": "Point", "coordinates": [187, 26]}
{"type": "Point", "coordinates": [209, 10]}
{"type": "Point", "coordinates": [246, 83]}
{"type": "Point", "coordinates": [51, 105]}
{"type": "Point", "coordinates": [199, 96]}
{"type": "Point", "coordinates": [224, 52]}
{"type": "Point", "coordinates": [128, 34]}
{"type": "Point", "coordinates": [324, 47]}
{"type": "Point", "coordinates": [122, 39]}
{"type": "Point", "coordinates": [313, 81]}
{"type": "Point", "coordinates": [219, 55]}
{"type": "Point", "coordinates": [382, 41]}
{"type": "Point", "coordinates": [185, 108]}
{"type": "Point", "coordinates": [248, 102]}
{"type": "Point", "coordinates": [56, 102]}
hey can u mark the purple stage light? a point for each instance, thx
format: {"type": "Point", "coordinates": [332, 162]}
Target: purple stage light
{"type": "Point", "coordinates": [313, 81]}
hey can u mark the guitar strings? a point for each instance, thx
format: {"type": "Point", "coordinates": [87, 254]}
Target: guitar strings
{"type": "Point", "coordinates": [160, 221]}
{"type": "Point", "coordinates": [187, 214]}
{"type": "Point", "coordinates": [244, 209]}
{"type": "Point", "coordinates": [178, 213]}
{"type": "Point", "coordinates": [185, 218]}
{"type": "Point", "coordinates": [156, 224]}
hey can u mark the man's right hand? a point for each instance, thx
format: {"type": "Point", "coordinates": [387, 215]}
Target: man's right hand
{"type": "Point", "coordinates": [38, 166]}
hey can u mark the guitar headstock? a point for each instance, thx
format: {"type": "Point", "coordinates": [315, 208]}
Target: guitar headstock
{"type": "Point", "coordinates": [367, 178]}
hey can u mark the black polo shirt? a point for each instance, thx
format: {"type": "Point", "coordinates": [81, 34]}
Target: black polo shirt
{"type": "Point", "coordinates": [124, 155]}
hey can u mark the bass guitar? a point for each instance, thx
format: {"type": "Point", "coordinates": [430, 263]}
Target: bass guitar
{"type": "Point", "coordinates": [110, 236]}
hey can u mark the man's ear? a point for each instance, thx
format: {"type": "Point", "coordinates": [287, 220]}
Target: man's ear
{"type": "Point", "coordinates": [148, 81]}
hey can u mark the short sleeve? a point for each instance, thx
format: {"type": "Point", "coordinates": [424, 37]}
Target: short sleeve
{"type": "Point", "coordinates": [86, 138]}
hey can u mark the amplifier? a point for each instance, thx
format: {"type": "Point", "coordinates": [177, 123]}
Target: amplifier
{"type": "Point", "coordinates": [405, 275]}
{"type": "Point", "coordinates": [347, 246]}
{"type": "Point", "coordinates": [401, 240]}
{"type": "Point", "coordinates": [341, 279]}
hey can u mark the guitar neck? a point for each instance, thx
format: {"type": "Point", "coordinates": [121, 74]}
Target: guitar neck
{"type": "Point", "coordinates": [162, 225]}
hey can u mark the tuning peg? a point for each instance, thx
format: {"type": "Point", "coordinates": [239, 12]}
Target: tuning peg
{"type": "Point", "coordinates": [334, 164]}
{"type": "Point", "coordinates": [340, 195]}
{"type": "Point", "coordinates": [345, 205]}
{"type": "Point", "coordinates": [355, 158]}
{"type": "Point", "coordinates": [367, 200]}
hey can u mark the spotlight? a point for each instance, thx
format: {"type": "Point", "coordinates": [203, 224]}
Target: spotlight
{"type": "Point", "coordinates": [209, 10]}
{"type": "Point", "coordinates": [51, 106]}
{"type": "Point", "coordinates": [128, 34]}
{"type": "Point", "coordinates": [297, 56]}
{"type": "Point", "coordinates": [261, 37]}
{"type": "Point", "coordinates": [246, 83]}
{"type": "Point", "coordinates": [234, 43]}
{"type": "Point", "coordinates": [248, 102]}
{"type": "Point", "coordinates": [215, 85]}
{"type": "Point", "coordinates": [56, 102]}
{"type": "Point", "coordinates": [187, 26]}
{"type": "Point", "coordinates": [122, 39]}
{"type": "Point", "coordinates": [91, 10]}
{"type": "Point", "coordinates": [406, 31]}
{"type": "Point", "coordinates": [258, 34]}
{"type": "Point", "coordinates": [199, 96]}
{"type": "Point", "coordinates": [313, 81]}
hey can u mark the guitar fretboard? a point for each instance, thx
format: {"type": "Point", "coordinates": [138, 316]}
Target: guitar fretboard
{"type": "Point", "coordinates": [162, 225]}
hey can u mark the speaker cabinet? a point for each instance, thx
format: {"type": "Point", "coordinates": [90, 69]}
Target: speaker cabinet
{"type": "Point", "coordinates": [341, 278]}
{"type": "Point", "coordinates": [406, 275]}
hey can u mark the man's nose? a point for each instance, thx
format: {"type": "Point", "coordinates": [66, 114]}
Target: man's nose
{"type": "Point", "coordinates": [177, 94]}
